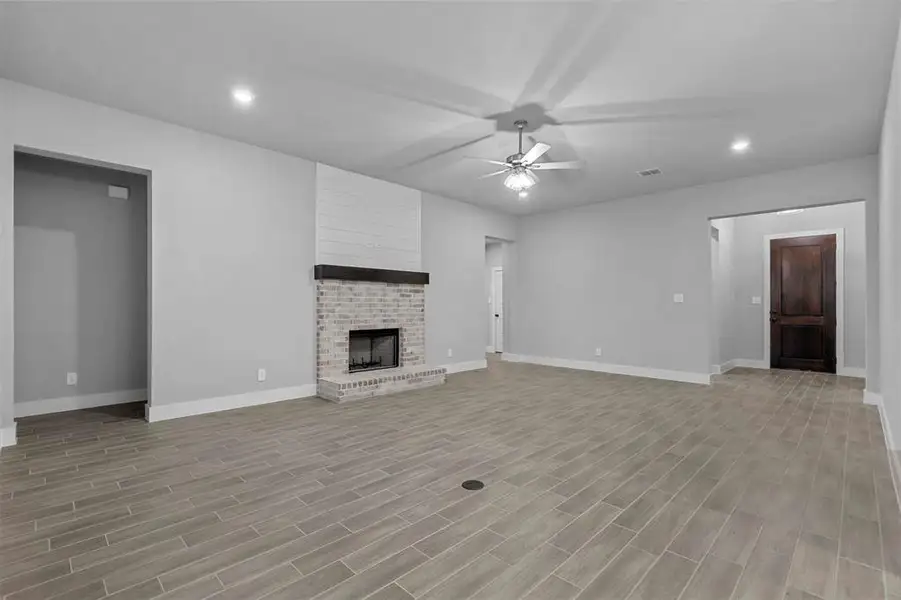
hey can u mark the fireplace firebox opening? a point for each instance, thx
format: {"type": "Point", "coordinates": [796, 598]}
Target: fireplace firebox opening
{"type": "Point", "coordinates": [373, 349]}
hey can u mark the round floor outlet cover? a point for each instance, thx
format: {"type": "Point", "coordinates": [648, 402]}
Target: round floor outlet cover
{"type": "Point", "coordinates": [473, 484]}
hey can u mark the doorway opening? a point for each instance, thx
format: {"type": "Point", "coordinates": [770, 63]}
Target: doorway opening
{"type": "Point", "coordinates": [494, 286]}
{"type": "Point", "coordinates": [81, 287]}
{"type": "Point", "coordinates": [790, 290]}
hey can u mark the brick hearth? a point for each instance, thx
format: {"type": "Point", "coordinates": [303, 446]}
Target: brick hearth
{"type": "Point", "coordinates": [345, 305]}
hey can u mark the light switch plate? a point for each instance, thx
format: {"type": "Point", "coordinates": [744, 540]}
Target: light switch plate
{"type": "Point", "coordinates": [678, 298]}
{"type": "Point", "coordinates": [755, 299]}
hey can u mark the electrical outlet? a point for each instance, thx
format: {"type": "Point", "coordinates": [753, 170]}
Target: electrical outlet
{"type": "Point", "coordinates": [261, 374]}
{"type": "Point", "coordinates": [597, 351]}
{"type": "Point", "coordinates": [678, 298]}
{"type": "Point", "coordinates": [71, 378]}
{"type": "Point", "coordinates": [450, 352]}
{"type": "Point", "coordinates": [755, 299]}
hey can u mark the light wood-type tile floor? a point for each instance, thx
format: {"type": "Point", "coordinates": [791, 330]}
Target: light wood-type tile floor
{"type": "Point", "coordinates": [765, 486]}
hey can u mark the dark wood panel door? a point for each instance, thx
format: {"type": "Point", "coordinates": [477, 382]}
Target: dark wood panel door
{"type": "Point", "coordinates": [802, 303]}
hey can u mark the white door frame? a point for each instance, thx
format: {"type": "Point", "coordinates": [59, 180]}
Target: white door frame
{"type": "Point", "coordinates": [497, 347]}
{"type": "Point", "coordinates": [839, 292]}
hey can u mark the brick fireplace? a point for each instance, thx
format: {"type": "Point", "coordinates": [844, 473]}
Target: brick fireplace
{"type": "Point", "coordinates": [350, 300]}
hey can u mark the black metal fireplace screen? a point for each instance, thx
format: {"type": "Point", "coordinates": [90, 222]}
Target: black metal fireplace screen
{"type": "Point", "coordinates": [372, 349]}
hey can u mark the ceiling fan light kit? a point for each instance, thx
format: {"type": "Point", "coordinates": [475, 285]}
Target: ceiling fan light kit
{"type": "Point", "coordinates": [520, 179]}
{"type": "Point", "coordinates": [519, 168]}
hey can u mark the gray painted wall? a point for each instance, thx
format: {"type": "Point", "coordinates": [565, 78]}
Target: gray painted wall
{"type": "Point", "coordinates": [605, 275]}
{"type": "Point", "coordinates": [747, 319]}
{"type": "Point", "coordinates": [873, 352]}
{"type": "Point", "coordinates": [723, 296]}
{"type": "Point", "coordinates": [890, 259]}
{"type": "Point", "coordinates": [233, 231]}
{"type": "Point", "coordinates": [233, 245]}
{"type": "Point", "coordinates": [80, 280]}
{"type": "Point", "coordinates": [453, 252]}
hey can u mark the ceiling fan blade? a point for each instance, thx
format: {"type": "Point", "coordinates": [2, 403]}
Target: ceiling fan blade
{"type": "Point", "coordinates": [413, 85]}
{"type": "Point", "coordinates": [446, 142]}
{"type": "Point", "coordinates": [535, 153]}
{"type": "Point", "coordinates": [668, 109]}
{"type": "Point", "coordinates": [556, 137]}
{"type": "Point", "coordinates": [548, 166]}
{"type": "Point", "coordinates": [488, 160]}
{"type": "Point", "coordinates": [449, 150]}
{"type": "Point", "coordinates": [589, 35]}
{"type": "Point", "coordinates": [587, 39]}
{"type": "Point", "coordinates": [605, 31]}
{"type": "Point", "coordinates": [493, 174]}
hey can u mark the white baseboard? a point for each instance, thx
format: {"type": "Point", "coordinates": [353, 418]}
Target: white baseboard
{"type": "Point", "coordinates": [8, 436]}
{"type": "Point", "coordinates": [875, 399]}
{"type": "Point", "coordinates": [887, 430]}
{"type": "Point", "coordinates": [872, 398]}
{"type": "Point", "coordinates": [723, 368]}
{"type": "Point", "coordinates": [895, 466]}
{"type": "Point", "coordinates": [741, 362]}
{"type": "Point", "coordinates": [489, 349]}
{"type": "Point", "coordinates": [762, 364]}
{"type": "Point", "coordinates": [471, 365]}
{"type": "Point", "coordinates": [749, 363]}
{"type": "Point", "coordinates": [586, 365]}
{"type": "Point", "coordinates": [177, 410]}
{"type": "Point", "coordinates": [853, 372]}
{"type": "Point", "coordinates": [55, 405]}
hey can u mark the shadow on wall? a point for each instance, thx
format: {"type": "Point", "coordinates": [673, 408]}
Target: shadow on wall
{"type": "Point", "coordinates": [80, 280]}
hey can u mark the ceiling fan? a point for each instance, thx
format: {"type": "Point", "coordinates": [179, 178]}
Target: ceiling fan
{"type": "Point", "coordinates": [519, 167]}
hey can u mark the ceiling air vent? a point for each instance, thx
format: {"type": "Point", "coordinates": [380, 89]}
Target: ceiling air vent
{"type": "Point", "coordinates": [117, 191]}
{"type": "Point", "coordinates": [649, 172]}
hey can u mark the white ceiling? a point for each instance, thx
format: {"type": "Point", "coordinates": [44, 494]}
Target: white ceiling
{"type": "Point", "coordinates": [379, 88]}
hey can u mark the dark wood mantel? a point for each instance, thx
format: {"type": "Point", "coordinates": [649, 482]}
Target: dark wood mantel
{"type": "Point", "coordinates": [366, 274]}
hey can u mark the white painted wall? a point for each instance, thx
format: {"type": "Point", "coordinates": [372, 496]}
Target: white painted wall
{"type": "Point", "coordinates": [453, 253]}
{"type": "Point", "coordinates": [745, 322]}
{"type": "Point", "coordinates": [890, 259]}
{"type": "Point", "coordinates": [618, 264]}
{"type": "Point", "coordinates": [366, 222]}
{"type": "Point", "coordinates": [80, 280]}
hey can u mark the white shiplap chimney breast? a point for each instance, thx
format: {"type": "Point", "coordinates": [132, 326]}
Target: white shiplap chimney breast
{"type": "Point", "coordinates": [366, 222]}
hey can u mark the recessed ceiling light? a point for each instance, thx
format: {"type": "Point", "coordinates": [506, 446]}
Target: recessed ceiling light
{"type": "Point", "coordinates": [741, 145]}
{"type": "Point", "coordinates": [790, 211]}
{"type": "Point", "coordinates": [243, 96]}
{"type": "Point", "coordinates": [523, 195]}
